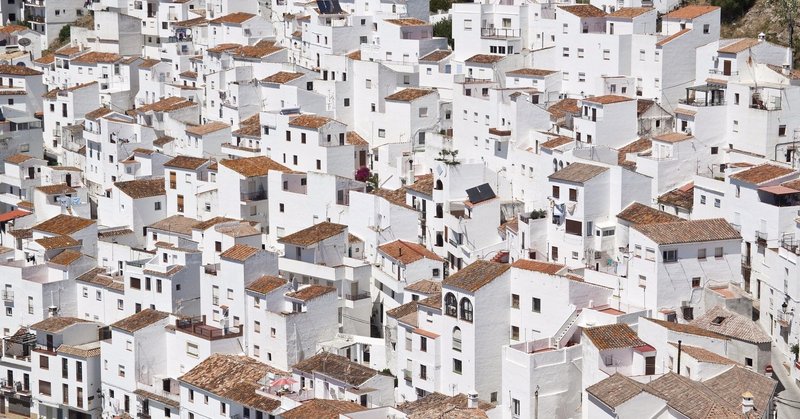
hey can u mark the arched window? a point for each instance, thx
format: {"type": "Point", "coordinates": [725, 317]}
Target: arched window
{"type": "Point", "coordinates": [450, 305]}
{"type": "Point", "coordinates": [555, 165]}
{"type": "Point", "coordinates": [466, 309]}
{"type": "Point", "coordinates": [457, 339]}
{"type": "Point", "coordinates": [439, 185]}
{"type": "Point", "coordinates": [561, 164]}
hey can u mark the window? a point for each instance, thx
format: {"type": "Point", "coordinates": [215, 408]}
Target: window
{"type": "Point", "coordinates": [606, 54]}
{"type": "Point", "coordinates": [717, 203]}
{"type": "Point", "coordinates": [556, 192]}
{"type": "Point", "coordinates": [136, 283]}
{"type": "Point", "coordinates": [272, 332]}
{"type": "Point", "coordinates": [192, 350]}
{"type": "Point", "coordinates": [381, 133]}
{"type": "Point", "coordinates": [565, 52]}
{"type": "Point", "coordinates": [514, 300]}
{"type": "Point", "coordinates": [257, 327]}
{"type": "Point", "coordinates": [701, 253]}
{"type": "Point", "coordinates": [735, 98]}
{"type": "Point", "coordinates": [782, 130]}
{"type": "Point", "coordinates": [514, 332]}
{"type": "Point", "coordinates": [515, 408]}
{"type": "Point", "coordinates": [423, 344]}
{"type": "Point", "coordinates": [718, 252]}
{"type": "Point", "coordinates": [573, 194]}
{"type": "Point", "coordinates": [44, 388]}
{"type": "Point", "coordinates": [466, 309]}
{"type": "Point", "coordinates": [423, 372]}
{"type": "Point", "coordinates": [670, 255]}
{"type": "Point", "coordinates": [696, 282]}
{"type": "Point", "coordinates": [574, 227]}
{"type": "Point", "coordinates": [748, 362]}
{"type": "Point", "coordinates": [450, 305]}
{"type": "Point", "coordinates": [457, 339]}
{"type": "Point", "coordinates": [44, 362]}
{"type": "Point", "coordinates": [536, 305]}
{"type": "Point", "coordinates": [457, 366]}
{"type": "Point", "coordinates": [121, 371]}
{"type": "Point", "coordinates": [467, 24]}
{"type": "Point", "coordinates": [650, 254]}
{"type": "Point", "coordinates": [580, 52]}
{"type": "Point", "coordinates": [703, 199]}
{"type": "Point", "coordinates": [706, 28]}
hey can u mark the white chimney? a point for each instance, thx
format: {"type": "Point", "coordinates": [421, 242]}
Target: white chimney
{"type": "Point", "coordinates": [747, 402]}
{"type": "Point", "coordinates": [762, 37]}
{"type": "Point", "coordinates": [472, 400]}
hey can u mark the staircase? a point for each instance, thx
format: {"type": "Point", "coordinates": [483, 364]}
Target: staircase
{"type": "Point", "coordinates": [501, 257]}
{"type": "Point", "coordinates": [566, 328]}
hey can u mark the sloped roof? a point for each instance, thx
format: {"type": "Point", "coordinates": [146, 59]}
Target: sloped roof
{"type": "Point", "coordinates": [407, 252]}
{"type": "Point", "coordinates": [578, 172]}
{"type": "Point", "coordinates": [253, 166]}
{"type": "Point", "coordinates": [719, 320]}
{"type": "Point", "coordinates": [313, 234]}
{"type": "Point", "coordinates": [476, 275]}
{"type": "Point", "coordinates": [142, 188]}
{"type": "Point", "coordinates": [689, 231]}
{"type": "Point", "coordinates": [613, 336]}
{"type": "Point", "coordinates": [63, 224]}
{"type": "Point", "coordinates": [637, 213]}
{"type": "Point", "coordinates": [140, 320]}
{"type": "Point", "coordinates": [337, 367]}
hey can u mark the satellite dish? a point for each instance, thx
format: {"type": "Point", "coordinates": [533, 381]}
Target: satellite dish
{"type": "Point", "coordinates": [24, 42]}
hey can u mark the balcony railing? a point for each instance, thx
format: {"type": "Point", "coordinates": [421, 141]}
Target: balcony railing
{"type": "Point", "coordinates": [761, 237]}
{"type": "Point", "coordinates": [407, 375]}
{"type": "Point", "coordinates": [254, 196]}
{"type": "Point", "coordinates": [722, 72]}
{"type": "Point", "coordinates": [699, 102]}
{"type": "Point", "coordinates": [500, 33]}
{"type": "Point", "coordinates": [7, 295]}
{"type": "Point", "coordinates": [356, 297]}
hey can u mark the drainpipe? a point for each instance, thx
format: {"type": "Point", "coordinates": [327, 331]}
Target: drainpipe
{"type": "Point", "coordinates": [679, 357]}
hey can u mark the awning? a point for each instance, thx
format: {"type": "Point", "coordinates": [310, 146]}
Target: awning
{"type": "Point", "coordinates": [22, 119]}
{"type": "Point", "coordinates": [778, 190]}
{"type": "Point", "coordinates": [12, 215]}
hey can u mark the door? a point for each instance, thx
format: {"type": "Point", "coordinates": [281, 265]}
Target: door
{"type": "Point", "coordinates": [68, 179]}
{"type": "Point", "coordinates": [650, 365]}
{"type": "Point", "coordinates": [49, 342]}
{"type": "Point", "coordinates": [362, 158]}
{"type": "Point", "coordinates": [726, 67]}
{"type": "Point", "coordinates": [594, 114]}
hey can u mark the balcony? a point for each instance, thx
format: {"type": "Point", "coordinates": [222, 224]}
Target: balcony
{"type": "Point", "coordinates": [500, 33]}
{"type": "Point", "coordinates": [407, 375]}
{"type": "Point", "coordinates": [253, 196]}
{"type": "Point", "coordinates": [761, 238]}
{"type": "Point", "coordinates": [712, 95]}
{"type": "Point", "coordinates": [197, 327]}
{"type": "Point", "coordinates": [8, 296]}
{"type": "Point", "coordinates": [356, 297]}
{"type": "Point", "coordinates": [718, 72]}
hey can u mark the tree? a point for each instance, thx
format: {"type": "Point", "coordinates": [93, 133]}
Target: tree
{"type": "Point", "coordinates": [787, 15]}
{"type": "Point", "coordinates": [63, 34]}
{"type": "Point", "coordinates": [436, 5]}
{"type": "Point", "coordinates": [444, 29]}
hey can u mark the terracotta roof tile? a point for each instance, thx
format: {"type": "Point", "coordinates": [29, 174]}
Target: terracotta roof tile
{"type": "Point", "coordinates": [409, 21]}
{"type": "Point", "coordinates": [738, 46]}
{"type": "Point", "coordinates": [169, 104]}
{"type": "Point", "coordinates": [673, 137]}
{"type": "Point", "coordinates": [578, 172]}
{"type": "Point", "coordinates": [425, 286]}
{"type": "Point", "coordinates": [336, 367]}
{"type": "Point", "coordinates": [719, 320]}
{"type": "Point", "coordinates": [234, 377]}
{"type": "Point", "coordinates": [175, 223]}
{"type": "Point", "coordinates": [97, 113]}
{"type": "Point", "coordinates": [213, 126]}
{"type": "Point", "coordinates": [689, 231]}
{"type": "Point", "coordinates": [253, 166]}
{"type": "Point", "coordinates": [688, 329]}
{"type": "Point", "coordinates": [142, 188]}
{"type": "Point", "coordinates": [438, 405]}
{"type": "Point", "coordinates": [533, 72]}
{"type": "Point", "coordinates": [18, 158]}
{"type": "Point", "coordinates": [690, 12]}
{"type": "Point", "coordinates": [310, 292]}
{"type": "Point", "coordinates": [564, 107]}
{"type": "Point", "coordinates": [637, 213]}
{"type": "Point", "coordinates": [310, 121]}
{"type": "Point", "coordinates": [46, 59]}
{"type": "Point", "coordinates": [266, 284]}
{"type": "Point", "coordinates": [423, 184]}
{"type": "Point", "coordinates": [682, 197]}
{"type": "Point", "coordinates": [407, 252]}
{"type": "Point", "coordinates": [436, 56]}
{"type": "Point", "coordinates": [7, 29]}
{"type": "Point", "coordinates": [322, 409]}
{"type": "Point", "coordinates": [397, 196]}
{"type": "Point", "coordinates": [282, 77]}
{"type": "Point", "coordinates": [761, 173]}
{"type": "Point", "coordinates": [583, 10]}
{"type": "Point", "coordinates": [484, 59]}
{"type": "Point", "coordinates": [140, 320]}
{"type": "Point", "coordinates": [59, 189]}
{"type": "Point", "coordinates": [556, 142]}
{"type": "Point", "coordinates": [57, 242]}
{"type": "Point", "coordinates": [66, 257]}
{"type": "Point", "coordinates": [90, 350]}
{"type": "Point", "coordinates": [63, 224]}
{"type": "Point", "coordinates": [186, 162]}
{"type": "Point", "coordinates": [259, 50]}
{"type": "Point", "coordinates": [672, 37]}
{"type": "Point", "coordinates": [538, 266]}
{"type": "Point", "coordinates": [56, 324]}
{"type": "Point", "coordinates": [353, 138]}
{"type": "Point", "coordinates": [639, 146]}
{"type": "Point", "coordinates": [313, 234]}
{"type": "Point", "coordinates": [613, 336]}
{"type": "Point", "coordinates": [198, 21]}
{"type": "Point", "coordinates": [476, 275]}
{"type": "Point", "coordinates": [615, 390]}
{"type": "Point", "coordinates": [607, 99]}
{"type": "Point", "coordinates": [233, 18]}
{"type": "Point", "coordinates": [239, 252]}
{"type": "Point", "coordinates": [630, 12]}
{"type": "Point", "coordinates": [408, 95]}
{"type": "Point", "coordinates": [18, 70]}
{"type": "Point", "coordinates": [704, 355]}
{"type": "Point", "coordinates": [96, 57]}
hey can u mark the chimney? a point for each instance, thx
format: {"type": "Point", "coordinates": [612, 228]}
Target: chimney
{"type": "Point", "coordinates": [472, 400]}
{"type": "Point", "coordinates": [747, 402]}
{"type": "Point", "coordinates": [762, 37]}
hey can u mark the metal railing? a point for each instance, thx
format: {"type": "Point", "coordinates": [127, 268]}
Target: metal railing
{"type": "Point", "coordinates": [500, 32]}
